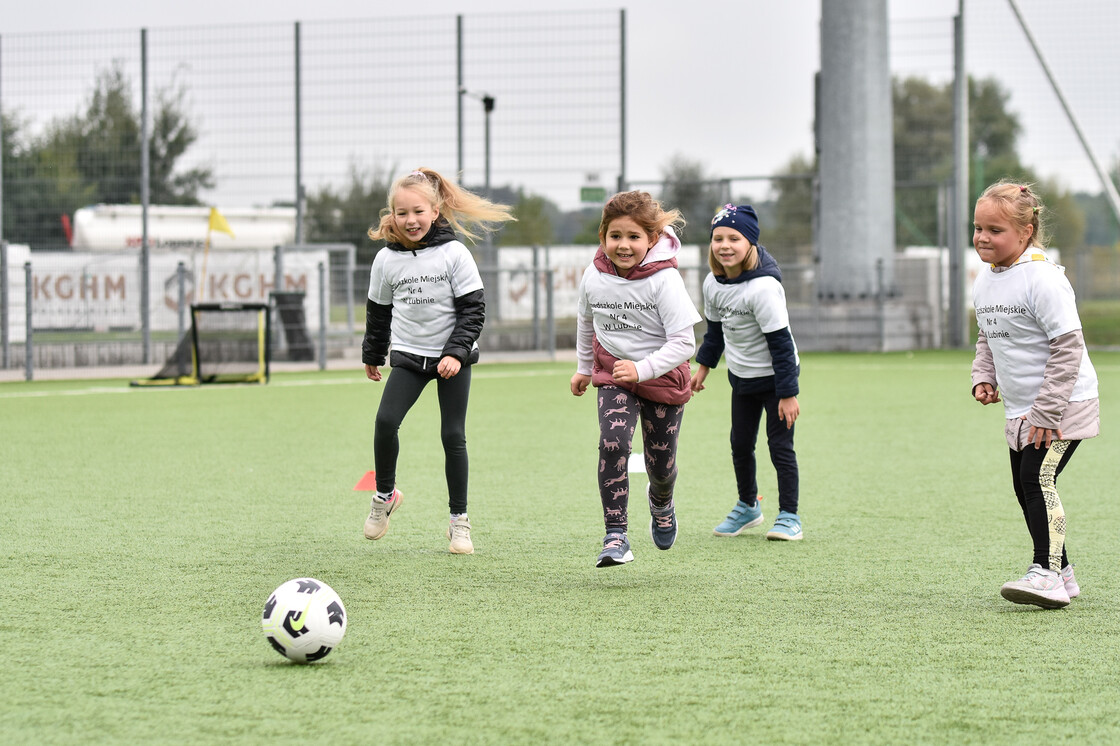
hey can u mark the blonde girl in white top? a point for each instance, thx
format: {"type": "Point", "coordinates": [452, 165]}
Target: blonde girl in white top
{"type": "Point", "coordinates": [1031, 355]}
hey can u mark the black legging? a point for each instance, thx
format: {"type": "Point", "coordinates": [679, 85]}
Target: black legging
{"type": "Point", "coordinates": [1034, 474]}
{"type": "Point", "coordinates": [746, 414]}
{"type": "Point", "coordinates": [402, 389]}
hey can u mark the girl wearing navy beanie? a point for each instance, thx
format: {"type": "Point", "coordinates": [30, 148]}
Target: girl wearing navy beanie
{"type": "Point", "coordinates": [748, 324]}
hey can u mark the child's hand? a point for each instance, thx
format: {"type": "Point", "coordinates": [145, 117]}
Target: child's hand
{"type": "Point", "coordinates": [579, 384]}
{"type": "Point", "coordinates": [697, 381]}
{"type": "Point", "coordinates": [1040, 435]}
{"type": "Point", "coordinates": [788, 410]}
{"type": "Point", "coordinates": [448, 366]}
{"type": "Point", "coordinates": [625, 371]}
{"type": "Point", "coordinates": [372, 373]}
{"type": "Point", "coordinates": [985, 393]}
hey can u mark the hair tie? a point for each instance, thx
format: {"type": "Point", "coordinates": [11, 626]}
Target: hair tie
{"type": "Point", "coordinates": [1022, 190]}
{"type": "Point", "coordinates": [417, 172]}
{"type": "Point", "coordinates": [1036, 210]}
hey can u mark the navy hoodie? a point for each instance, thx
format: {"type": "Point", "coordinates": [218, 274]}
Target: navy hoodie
{"type": "Point", "coordinates": [780, 342]}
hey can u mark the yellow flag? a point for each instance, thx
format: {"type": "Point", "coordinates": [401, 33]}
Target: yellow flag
{"type": "Point", "coordinates": [218, 223]}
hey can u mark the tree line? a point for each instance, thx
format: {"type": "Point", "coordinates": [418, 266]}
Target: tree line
{"type": "Point", "coordinates": [94, 157]}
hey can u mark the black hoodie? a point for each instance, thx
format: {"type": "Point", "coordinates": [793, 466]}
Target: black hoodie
{"type": "Point", "coordinates": [470, 311]}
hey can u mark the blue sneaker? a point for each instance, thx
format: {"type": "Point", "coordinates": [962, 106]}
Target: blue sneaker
{"type": "Point", "coordinates": [662, 524]}
{"type": "Point", "coordinates": [616, 551]}
{"type": "Point", "coordinates": [787, 527]}
{"type": "Point", "coordinates": [741, 517]}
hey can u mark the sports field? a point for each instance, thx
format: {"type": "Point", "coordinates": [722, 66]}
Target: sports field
{"type": "Point", "coordinates": [141, 532]}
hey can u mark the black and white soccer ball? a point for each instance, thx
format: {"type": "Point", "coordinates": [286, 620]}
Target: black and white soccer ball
{"type": "Point", "coordinates": [304, 620]}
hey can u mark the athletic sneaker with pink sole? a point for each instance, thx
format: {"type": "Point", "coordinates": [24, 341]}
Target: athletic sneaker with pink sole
{"type": "Point", "coordinates": [1070, 582]}
{"type": "Point", "coordinates": [1040, 587]}
{"type": "Point", "coordinates": [379, 511]}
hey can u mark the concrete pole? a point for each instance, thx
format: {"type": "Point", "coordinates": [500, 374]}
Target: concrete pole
{"type": "Point", "coordinates": [856, 151]}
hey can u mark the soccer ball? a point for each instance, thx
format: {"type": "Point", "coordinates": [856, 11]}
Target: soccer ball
{"type": "Point", "coordinates": [304, 619]}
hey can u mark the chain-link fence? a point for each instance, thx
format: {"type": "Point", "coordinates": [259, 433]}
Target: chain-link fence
{"type": "Point", "coordinates": [1018, 125]}
{"type": "Point", "coordinates": [261, 115]}
{"type": "Point", "coordinates": [304, 125]}
{"type": "Point", "coordinates": [73, 309]}
{"type": "Point", "coordinates": [312, 120]}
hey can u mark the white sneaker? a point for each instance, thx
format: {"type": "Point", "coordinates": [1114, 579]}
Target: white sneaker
{"type": "Point", "coordinates": [1040, 586]}
{"type": "Point", "coordinates": [1073, 590]}
{"type": "Point", "coordinates": [459, 534]}
{"type": "Point", "coordinates": [378, 522]}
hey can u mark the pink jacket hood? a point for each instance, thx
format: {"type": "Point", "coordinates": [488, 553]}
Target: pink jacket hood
{"type": "Point", "coordinates": [661, 255]}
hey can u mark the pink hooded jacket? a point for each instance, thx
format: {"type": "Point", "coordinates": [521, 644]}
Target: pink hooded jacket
{"type": "Point", "coordinates": [672, 387]}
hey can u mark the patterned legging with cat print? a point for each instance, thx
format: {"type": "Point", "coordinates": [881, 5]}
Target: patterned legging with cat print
{"type": "Point", "coordinates": [619, 414]}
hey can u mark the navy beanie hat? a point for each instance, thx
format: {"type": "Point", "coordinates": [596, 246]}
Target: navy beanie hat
{"type": "Point", "coordinates": [742, 218]}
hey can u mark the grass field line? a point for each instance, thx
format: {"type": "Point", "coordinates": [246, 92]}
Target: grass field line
{"type": "Point", "coordinates": [90, 390]}
{"type": "Point", "coordinates": [64, 392]}
{"type": "Point", "coordinates": [507, 371]}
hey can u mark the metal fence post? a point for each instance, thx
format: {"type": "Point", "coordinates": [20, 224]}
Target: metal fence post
{"type": "Point", "coordinates": [536, 298]}
{"type": "Point", "coordinates": [622, 176]}
{"type": "Point", "coordinates": [181, 280]}
{"type": "Point", "coordinates": [181, 277]}
{"type": "Point", "coordinates": [277, 287]}
{"type": "Point", "coordinates": [881, 304]}
{"type": "Point", "coordinates": [145, 199]}
{"type": "Point", "coordinates": [460, 92]}
{"type": "Point", "coordinates": [351, 250]}
{"type": "Point", "coordinates": [1, 172]}
{"type": "Point", "coordinates": [322, 316]}
{"type": "Point", "coordinates": [4, 318]}
{"type": "Point", "coordinates": [550, 310]}
{"type": "Point", "coordinates": [300, 206]}
{"type": "Point", "coordinates": [28, 364]}
{"type": "Point", "coordinates": [278, 269]}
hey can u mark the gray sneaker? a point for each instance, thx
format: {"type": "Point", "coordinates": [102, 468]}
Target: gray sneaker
{"type": "Point", "coordinates": [662, 524]}
{"type": "Point", "coordinates": [616, 551]}
{"type": "Point", "coordinates": [378, 522]}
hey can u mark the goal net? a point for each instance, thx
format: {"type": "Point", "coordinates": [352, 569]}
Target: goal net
{"type": "Point", "coordinates": [227, 343]}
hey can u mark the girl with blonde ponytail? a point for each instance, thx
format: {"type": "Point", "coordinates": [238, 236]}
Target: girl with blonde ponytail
{"type": "Point", "coordinates": [426, 302]}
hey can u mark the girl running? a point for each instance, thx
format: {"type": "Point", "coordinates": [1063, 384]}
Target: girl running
{"type": "Point", "coordinates": [426, 300]}
{"type": "Point", "coordinates": [634, 340]}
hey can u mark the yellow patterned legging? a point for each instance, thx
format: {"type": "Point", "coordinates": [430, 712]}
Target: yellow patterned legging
{"type": "Point", "coordinates": [1034, 472]}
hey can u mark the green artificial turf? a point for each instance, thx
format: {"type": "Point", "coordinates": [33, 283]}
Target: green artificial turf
{"type": "Point", "coordinates": [141, 532]}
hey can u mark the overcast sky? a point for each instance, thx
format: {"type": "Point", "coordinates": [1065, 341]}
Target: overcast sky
{"type": "Point", "coordinates": [746, 63]}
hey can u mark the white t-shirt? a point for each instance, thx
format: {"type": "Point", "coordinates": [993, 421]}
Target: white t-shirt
{"type": "Point", "coordinates": [422, 288]}
{"type": "Point", "coordinates": [633, 318]}
{"type": "Point", "coordinates": [1020, 309]}
{"type": "Point", "coordinates": [748, 311]}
